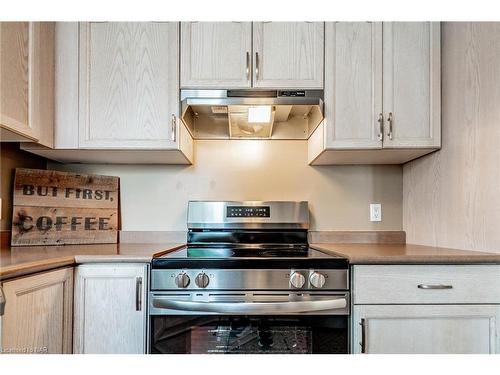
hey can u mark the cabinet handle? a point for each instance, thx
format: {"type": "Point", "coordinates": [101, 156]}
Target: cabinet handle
{"type": "Point", "coordinates": [174, 128]}
{"type": "Point", "coordinates": [2, 302]}
{"type": "Point", "coordinates": [138, 294]}
{"type": "Point", "coordinates": [436, 286]}
{"type": "Point", "coordinates": [389, 120]}
{"type": "Point", "coordinates": [248, 66]}
{"type": "Point", "coordinates": [363, 336]}
{"type": "Point", "coordinates": [381, 126]}
{"type": "Point", "coordinates": [257, 65]}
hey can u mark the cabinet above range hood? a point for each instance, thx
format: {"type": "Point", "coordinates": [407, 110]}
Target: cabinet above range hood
{"type": "Point", "coordinates": [251, 114]}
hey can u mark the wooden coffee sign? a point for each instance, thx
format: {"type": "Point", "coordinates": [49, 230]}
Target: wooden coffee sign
{"type": "Point", "coordinates": [57, 208]}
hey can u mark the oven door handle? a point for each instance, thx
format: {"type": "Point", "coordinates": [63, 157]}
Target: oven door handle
{"type": "Point", "coordinates": [251, 307]}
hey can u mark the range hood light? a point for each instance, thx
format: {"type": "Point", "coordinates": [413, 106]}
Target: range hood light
{"type": "Point", "coordinates": [260, 114]}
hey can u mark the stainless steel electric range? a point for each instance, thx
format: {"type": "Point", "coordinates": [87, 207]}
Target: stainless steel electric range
{"type": "Point", "coordinates": [247, 282]}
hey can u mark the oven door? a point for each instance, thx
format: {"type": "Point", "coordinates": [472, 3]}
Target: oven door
{"type": "Point", "coordinates": [249, 322]}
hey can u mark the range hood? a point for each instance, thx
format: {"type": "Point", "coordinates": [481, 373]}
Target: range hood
{"type": "Point", "coordinates": [251, 114]}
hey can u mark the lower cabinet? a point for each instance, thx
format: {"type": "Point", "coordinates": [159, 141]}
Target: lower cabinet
{"type": "Point", "coordinates": [110, 308]}
{"type": "Point", "coordinates": [38, 313]}
{"type": "Point", "coordinates": [426, 329]}
{"type": "Point", "coordinates": [426, 309]}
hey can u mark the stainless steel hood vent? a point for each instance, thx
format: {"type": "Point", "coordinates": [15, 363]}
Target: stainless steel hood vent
{"type": "Point", "coordinates": [251, 114]}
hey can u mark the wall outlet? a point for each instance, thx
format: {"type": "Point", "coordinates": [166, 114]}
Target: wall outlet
{"type": "Point", "coordinates": [375, 212]}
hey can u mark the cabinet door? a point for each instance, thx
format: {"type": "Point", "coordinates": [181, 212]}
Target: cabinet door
{"type": "Point", "coordinates": [426, 329]}
{"type": "Point", "coordinates": [216, 54]}
{"type": "Point", "coordinates": [412, 84]}
{"type": "Point", "coordinates": [129, 90]}
{"type": "Point", "coordinates": [27, 81]}
{"type": "Point", "coordinates": [38, 313]}
{"type": "Point", "coordinates": [353, 85]}
{"type": "Point", "coordinates": [110, 309]}
{"type": "Point", "coordinates": [14, 77]}
{"type": "Point", "coordinates": [288, 54]}
{"type": "Point", "coordinates": [41, 102]}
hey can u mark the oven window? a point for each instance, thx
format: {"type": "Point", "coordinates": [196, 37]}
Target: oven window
{"type": "Point", "coordinates": [249, 334]}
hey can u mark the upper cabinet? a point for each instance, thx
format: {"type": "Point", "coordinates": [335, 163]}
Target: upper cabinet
{"type": "Point", "coordinates": [129, 93]}
{"type": "Point", "coordinates": [117, 85]}
{"type": "Point", "coordinates": [27, 82]}
{"type": "Point", "coordinates": [259, 54]}
{"type": "Point", "coordinates": [382, 93]}
{"type": "Point", "coordinates": [353, 74]}
{"type": "Point", "coordinates": [412, 84]}
{"type": "Point", "coordinates": [216, 54]}
{"type": "Point", "coordinates": [14, 54]}
{"type": "Point", "coordinates": [118, 89]}
{"type": "Point", "coordinates": [288, 54]}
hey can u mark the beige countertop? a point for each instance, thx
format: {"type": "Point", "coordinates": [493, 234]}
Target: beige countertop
{"type": "Point", "coordinates": [18, 261]}
{"type": "Point", "coordinates": [405, 254]}
{"type": "Point", "coordinates": [22, 260]}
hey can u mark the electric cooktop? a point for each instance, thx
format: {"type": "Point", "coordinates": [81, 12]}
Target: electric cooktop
{"type": "Point", "coordinates": [246, 235]}
{"type": "Point", "coordinates": [249, 257]}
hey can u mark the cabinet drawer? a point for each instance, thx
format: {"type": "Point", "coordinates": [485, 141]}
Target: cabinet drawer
{"type": "Point", "coordinates": [420, 284]}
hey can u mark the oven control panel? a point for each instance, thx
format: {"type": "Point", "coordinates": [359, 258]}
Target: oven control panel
{"type": "Point", "coordinates": [248, 211]}
{"type": "Point", "coordinates": [257, 279]}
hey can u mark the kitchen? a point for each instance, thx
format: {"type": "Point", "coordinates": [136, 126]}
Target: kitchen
{"type": "Point", "coordinates": [250, 187]}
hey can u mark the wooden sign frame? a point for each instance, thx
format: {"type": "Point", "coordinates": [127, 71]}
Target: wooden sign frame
{"type": "Point", "coordinates": [57, 208]}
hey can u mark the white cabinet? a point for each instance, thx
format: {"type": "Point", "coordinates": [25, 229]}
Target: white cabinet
{"type": "Point", "coordinates": [382, 93]}
{"type": "Point", "coordinates": [429, 284]}
{"type": "Point", "coordinates": [110, 308]}
{"type": "Point", "coordinates": [412, 84]}
{"type": "Point", "coordinates": [38, 313]}
{"type": "Point", "coordinates": [14, 82]}
{"type": "Point", "coordinates": [353, 75]}
{"type": "Point", "coordinates": [288, 54]}
{"type": "Point", "coordinates": [426, 329]}
{"type": "Point", "coordinates": [216, 54]}
{"type": "Point", "coordinates": [442, 309]}
{"type": "Point", "coordinates": [27, 82]}
{"type": "Point", "coordinates": [259, 54]}
{"type": "Point", "coordinates": [128, 85]}
{"type": "Point", "coordinates": [117, 95]}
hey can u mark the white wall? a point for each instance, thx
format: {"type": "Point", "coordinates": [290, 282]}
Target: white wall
{"type": "Point", "coordinates": [452, 197]}
{"type": "Point", "coordinates": [155, 197]}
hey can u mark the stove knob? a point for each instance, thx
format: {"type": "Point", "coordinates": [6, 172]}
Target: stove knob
{"type": "Point", "coordinates": [202, 280]}
{"type": "Point", "coordinates": [317, 280]}
{"type": "Point", "coordinates": [297, 280]}
{"type": "Point", "coordinates": [182, 280]}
